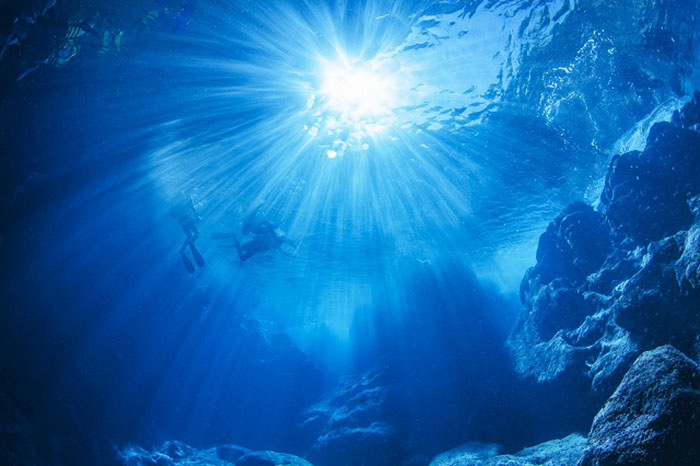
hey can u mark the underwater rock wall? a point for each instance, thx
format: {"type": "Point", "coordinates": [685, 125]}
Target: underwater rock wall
{"type": "Point", "coordinates": [621, 279]}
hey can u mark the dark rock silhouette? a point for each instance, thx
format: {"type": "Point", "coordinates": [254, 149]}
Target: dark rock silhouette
{"type": "Point", "coordinates": [653, 417]}
{"type": "Point", "coordinates": [614, 282]}
{"type": "Point", "coordinates": [646, 193]}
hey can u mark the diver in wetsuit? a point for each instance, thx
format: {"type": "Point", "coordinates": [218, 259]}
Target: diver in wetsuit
{"type": "Point", "coordinates": [186, 215]}
{"type": "Point", "coordinates": [267, 236]}
{"type": "Point", "coordinates": [78, 33]}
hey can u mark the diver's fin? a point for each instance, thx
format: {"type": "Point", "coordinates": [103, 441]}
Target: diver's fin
{"type": "Point", "coordinates": [186, 261]}
{"type": "Point", "coordinates": [198, 259]}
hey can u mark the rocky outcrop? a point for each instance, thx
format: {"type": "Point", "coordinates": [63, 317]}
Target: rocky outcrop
{"type": "Point", "coordinates": [566, 451]}
{"type": "Point", "coordinates": [270, 458]}
{"type": "Point", "coordinates": [613, 282]}
{"type": "Point", "coordinates": [646, 193]}
{"type": "Point", "coordinates": [180, 454]}
{"type": "Point", "coordinates": [352, 425]}
{"type": "Point", "coordinates": [653, 417]}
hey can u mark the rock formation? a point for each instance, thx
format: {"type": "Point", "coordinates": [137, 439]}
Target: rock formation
{"type": "Point", "coordinates": [621, 279]}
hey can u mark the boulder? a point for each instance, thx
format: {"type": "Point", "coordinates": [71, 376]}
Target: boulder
{"type": "Point", "coordinates": [653, 417]}
{"type": "Point", "coordinates": [353, 424]}
{"type": "Point", "coordinates": [270, 458]}
{"type": "Point", "coordinates": [566, 451]}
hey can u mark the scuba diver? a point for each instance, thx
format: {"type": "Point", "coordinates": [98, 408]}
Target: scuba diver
{"type": "Point", "coordinates": [267, 236]}
{"type": "Point", "coordinates": [65, 52]}
{"type": "Point", "coordinates": [91, 32]}
{"type": "Point", "coordinates": [186, 216]}
{"type": "Point", "coordinates": [104, 41]}
{"type": "Point", "coordinates": [79, 33]}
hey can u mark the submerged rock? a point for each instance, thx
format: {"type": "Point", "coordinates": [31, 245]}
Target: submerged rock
{"type": "Point", "coordinates": [352, 424]}
{"type": "Point", "coordinates": [179, 454]}
{"type": "Point", "coordinates": [376, 444]}
{"type": "Point", "coordinates": [653, 417]}
{"type": "Point", "coordinates": [646, 193]}
{"type": "Point", "coordinates": [566, 451]}
{"type": "Point", "coordinates": [231, 453]}
{"type": "Point", "coordinates": [574, 245]}
{"type": "Point", "coordinates": [613, 283]}
{"type": "Point", "coordinates": [270, 458]}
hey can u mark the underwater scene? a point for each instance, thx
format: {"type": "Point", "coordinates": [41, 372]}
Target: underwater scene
{"type": "Point", "coordinates": [350, 232]}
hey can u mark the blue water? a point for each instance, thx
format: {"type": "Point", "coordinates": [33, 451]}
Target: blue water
{"type": "Point", "coordinates": [412, 151]}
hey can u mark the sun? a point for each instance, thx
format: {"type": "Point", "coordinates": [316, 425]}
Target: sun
{"type": "Point", "coordinates": [357, 91]}
{"type": "Point", "coordinates": [353, 103]}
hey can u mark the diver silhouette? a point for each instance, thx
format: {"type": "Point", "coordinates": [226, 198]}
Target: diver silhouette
{"type": "Point", "coordinates": [186, 215]}
{"type": "Point", "coordinates": [267, 236]}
